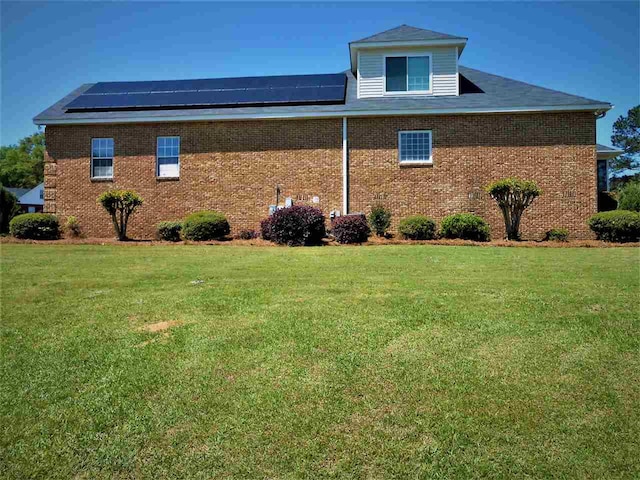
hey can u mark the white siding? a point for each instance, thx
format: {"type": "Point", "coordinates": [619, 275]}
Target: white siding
{"type": "Point", "coordinates": [444, 62]}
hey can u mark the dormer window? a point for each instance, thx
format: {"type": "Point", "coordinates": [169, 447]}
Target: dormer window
{"type": "Point", "coordinates": [408, 74]}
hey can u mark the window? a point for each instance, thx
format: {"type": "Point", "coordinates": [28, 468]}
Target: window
{"type": "Point", "coordinates": [408, 74]}
{"type": "Point", "coordinates": [42, 194]}
{"type": "Point", "coordinates": [102, 158]}
{"type": "Point", "coordinates": [168, 157]}
{"type": "Point", "coordinates": [415, 146]}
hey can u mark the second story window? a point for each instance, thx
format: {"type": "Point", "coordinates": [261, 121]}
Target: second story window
{"type": "Point", "coordinates": [102, 158]}
{"type": "Point", "coordinates": [408, 74]}
{"type": "Point", "coordinates": [168, 157]}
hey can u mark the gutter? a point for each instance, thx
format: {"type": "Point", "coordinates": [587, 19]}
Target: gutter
{"type": "Point", "coordinates": [599, 108]}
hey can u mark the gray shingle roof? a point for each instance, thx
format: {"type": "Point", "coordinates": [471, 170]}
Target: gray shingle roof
{"type": "Point", "coordinates": [480, 91]}
{"type": "Point", "coordinates": [18, 192]}
{"type": "Point", "coordinates": [604, 148]}
{"type": "Point", "coordinates": [405, 33]}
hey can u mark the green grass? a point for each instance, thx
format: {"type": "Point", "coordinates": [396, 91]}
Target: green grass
{"type": "Point", "coordinates": [365, 362]}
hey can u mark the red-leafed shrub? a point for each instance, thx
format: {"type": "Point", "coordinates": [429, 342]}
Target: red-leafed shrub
{"type": "Point", "coordinates": [294, 226]}
{"type": "Point", "coordinates": [351, 229]}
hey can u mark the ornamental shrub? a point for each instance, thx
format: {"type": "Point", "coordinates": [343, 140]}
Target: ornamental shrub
{"type": "Point", "coordinates": [35, 226]}
{"type": "Point", "coordinates": [417, 227]}
{"type": "Point", "coordinates": [169, 231]}
{"type": "Point", "coordinates": [247, 234]}
{"type": "Point", "coordinates": [380, 220]}
{"type": "Point", "coordinates": [120, 205]}
{"type": "Point", "coordinates": [295, 226]}
{"type": "Point", "coordinates": [265, 229]}
{"type": "Point", "coordinates": [205, 225]}
{"type": "Point", "coordinates": [616, 226]}
{"type": "Point", "coordinates": [629, 197]}
{"type": "Point", "coordinates": [72, 227]}
{"type": "Point", "coordinates": [350, 229]}
{"type": "Point", "coordinates": [466, 226]}
{"type": "Point", "coordinates": [513, 197]}
{"type": "Point", "coordinates": [8, 208]}
{"type": "Point", "coordinates": [557, 235]}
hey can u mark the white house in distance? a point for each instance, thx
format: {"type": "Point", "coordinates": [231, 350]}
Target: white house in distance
{"type": "Point", "coordinates": [30, 201]}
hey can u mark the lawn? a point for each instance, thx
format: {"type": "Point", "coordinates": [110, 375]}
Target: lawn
{"type": "Point", "coordinates": [329, 362]}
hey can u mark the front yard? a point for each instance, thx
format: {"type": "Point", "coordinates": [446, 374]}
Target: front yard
{"type": "Point", "coordinates": [398, 361]}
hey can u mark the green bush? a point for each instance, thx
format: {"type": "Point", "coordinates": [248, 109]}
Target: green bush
{"type": "Point", "coordinates": [120, 205]}
{"type": "Point", "coordinates": [513, 197]}
{"type": "Point", "coordinates": [205, 225]}
{"type": "Point", "coordinates": [557, 235]}
{"type": "Point", "coordinates": [417, 227]}
{"type": "Point", "coordinates": [72, 227]}
{"type": "Point", "coordinates": [466, 226]}
{"type": "Point", "coordinates": [380, 220]}
{"type": "Point", "coordinates": [35, 226]}
{"type": "Point", "coordinates": [169, 231]}
{"type": "Point", "coordinates": [616, 226]}
{"type": "Point", "coordinates": [629, 197]}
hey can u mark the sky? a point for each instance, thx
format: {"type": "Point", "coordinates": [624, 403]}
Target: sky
{"type": "Point", "coordinates": [591, 49]}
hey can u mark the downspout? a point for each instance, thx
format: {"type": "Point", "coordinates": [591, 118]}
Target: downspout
{"type": "Point", "coordinates": [345, 168]}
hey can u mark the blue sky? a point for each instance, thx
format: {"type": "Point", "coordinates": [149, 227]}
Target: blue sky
{"type": "Point", "coordinates": [586, 48]}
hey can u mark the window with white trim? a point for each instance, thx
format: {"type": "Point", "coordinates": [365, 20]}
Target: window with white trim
{"type": "Point", "coordinates": [102, 158]}
{"type": "Point", "coordinates": [408, 74]}
{"type": "Point", "coordinates": [168, 157]}
{"type": "Point", "coordinates": [414, 146]}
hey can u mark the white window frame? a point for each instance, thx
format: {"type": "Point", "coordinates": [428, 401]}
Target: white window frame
{"type": "Point", "coordinates": [407, 55]}
{"type": "Point", "coordinates": [103, 158]}
{"type": "Point", "coordinates": [415, 162]}
{"type": "Point", "coordinates": [158, 156]}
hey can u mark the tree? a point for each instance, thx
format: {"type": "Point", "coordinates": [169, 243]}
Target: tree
{"type": "Point", "coordinates": [513, 197]}
{"type": "Point", "coordinates": [120, 204]}
{"type": "Point", "coordinates": [22, 165]}
{"type": "Point", "coordinates": [8, 208]}
{"type": "Point", "coordinates": [626, 136]}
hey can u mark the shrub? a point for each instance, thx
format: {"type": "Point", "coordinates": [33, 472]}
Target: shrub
{"type": "Point", "coordinates": [35, 226]}
{"type": "Point", "coordinates": [296, 225]}
{"type": "Point", "coordinates": [351, 229]}
{"type": "Point", "coordinates": [265, 228]}
{"type": "Point", "coordinates": [417, 227]}
{"type": "Point", "coordinates": [169, 231]}
{"type": "Point", "coordinates": [513, 197]}
{"type": "Point", "coordinates": [120, 204]}
{"type": "Point", "coordinates": [380, 220]}
{"type": "Point", "coordinates": [557, 235]}
{"type": "Point", "coordinates": [72, 227]}
{"type": "Point", "coordinates": [629, 197]}
{"type": "Point", "coordinates": [466, 226]}
{"type": "Point", "coordinates": [8, 208]}
{"type": "Point", "coordinates": [616, 226]}
{"type": "Point", "coordinates": [247, 234]}
{"type": "Point", "coordinates": [205, 225]}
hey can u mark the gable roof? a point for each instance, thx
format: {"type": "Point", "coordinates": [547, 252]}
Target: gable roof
{"type": "Point", "coordinates": [18, 192]}
{"type": "Point", "coordinates": [405, 33]}
{"type": "Point", "coordinates": [480, 92]}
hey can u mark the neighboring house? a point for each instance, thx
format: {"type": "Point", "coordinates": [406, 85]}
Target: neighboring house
{"type": "Point", "coordinates": [406, 126]}
{"type": "Point", "coordinates": [29, 200]}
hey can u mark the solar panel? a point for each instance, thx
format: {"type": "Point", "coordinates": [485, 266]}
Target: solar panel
{"type": "Point", "coordinates": [263, 91]}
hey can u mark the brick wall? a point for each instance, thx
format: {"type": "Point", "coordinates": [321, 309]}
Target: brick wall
{"type": "Point", "coordinates": [234, 167]}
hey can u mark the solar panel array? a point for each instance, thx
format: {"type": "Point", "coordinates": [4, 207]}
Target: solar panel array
{"type": "Point", "coordinates": [219, 92]}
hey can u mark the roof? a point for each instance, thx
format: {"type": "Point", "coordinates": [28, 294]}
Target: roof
{"type": "Point", "coordinates": [604, 148]}
{"type": "Point", "coordinates": [406, 33]}
{"type": "Point", "coordinates": [480, 92]}
{"type": "Point", "coordinates": [18, 192]}
{"type": "Point", "coordinates": [604, 152]}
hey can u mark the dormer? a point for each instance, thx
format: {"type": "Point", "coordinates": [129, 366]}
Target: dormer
{"type": "Point", "coordinates": [407, 61]}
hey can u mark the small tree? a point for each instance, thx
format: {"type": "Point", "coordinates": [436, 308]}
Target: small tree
{"type": "Point", "coordinates": [513, 197]}
{"type": "Point", "coordinates": [8, 208]}
{"type": "Point", "coordinates": [120, 204]}
{"type": "Point", "coordinates": [380, 220]}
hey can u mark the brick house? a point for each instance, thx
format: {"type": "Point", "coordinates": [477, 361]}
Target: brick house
{"type": "Point", "coordinates": [406, 126]}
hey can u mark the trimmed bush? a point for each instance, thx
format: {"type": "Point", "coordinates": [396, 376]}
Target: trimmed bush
{"type": "Point", "coordinates": [247, 234]}
{"type": "Point", "coordinates": [513, 196]}
{"type": "Point", "coordinates": [616, 226]}
{"type": "Point", "coordinates": [205, 225]}
{"type": "Point", "coordinates": [35, 226]}
{"type": "Point", "coordinates": [557, 235]}
{"type": "Point", "coordinates": [417, 227]}
{"type": "Point", "coordinates": [350, 229]}
{"type": "Point", "coordinates": [380, 220]}
{"type": "Point", "coordinates": [466, 226]}
{"type": "Point", "coordinates": [265, 229]}
{"type": "Point", "coordinates": [295, 226]}
{"type": "Point", "coordinates": [629, 197]}
{"type": "Point", "coordinates": [72, 227]}
{"type": "Point", "coordinates": [169, 231]}
{"type": "Point", "coordinates": [120, 205]}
